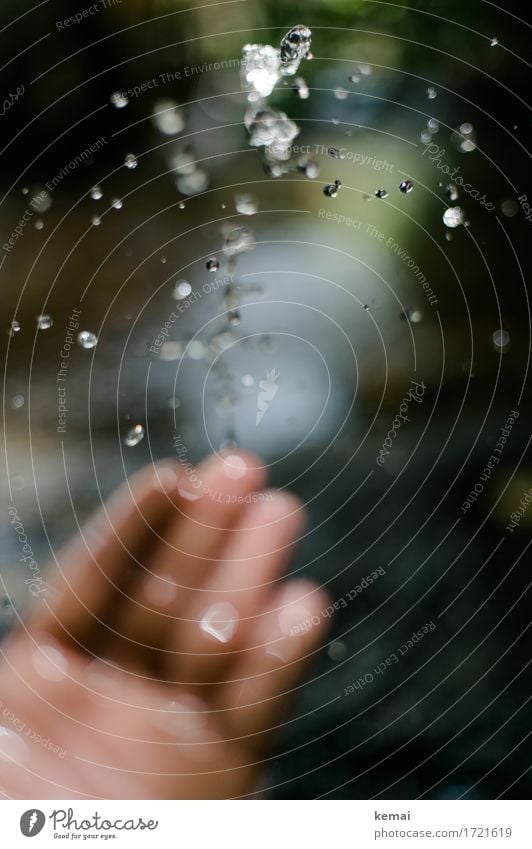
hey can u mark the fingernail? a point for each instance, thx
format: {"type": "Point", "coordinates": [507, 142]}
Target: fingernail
{"type": "Point", "coordinates": [50, 663]}
{"type": "Point", "coordinates": [220, 621]}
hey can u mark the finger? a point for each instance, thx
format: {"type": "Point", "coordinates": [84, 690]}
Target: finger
{"type": "Point", "coordinates": [265, 678]}
{"type": "Point", "coordinates": [222, 613]}
{"type": "Point", "coordinates": [193, 539]}
{"type": "Point", "coordinates": [86, 573]}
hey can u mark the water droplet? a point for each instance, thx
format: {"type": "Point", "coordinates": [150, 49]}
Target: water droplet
{"type": "Point", "coordinates": [196, 350]}
{"type": "Point", "coordinates": [212, 264]}
{"type": "Point", "coordinates": [308, 166]}
{"type": "Point", "coordinates": [337, 650]}
{"type": "Point", "coordinates": [15, 327]}
{"type": "Point", "coordinates": [451, 192]}
{"type": "Point", "coordinates": [336, 153]}
{"type": "Point", "coordinates": [181, 205]}
{"type": "Point", "coordinates": [509, 208]}
{"type": "Point", "coordinates": [87, 339]}
{"type": "Point", "coordinates": [494, 41]}
{"type": "Point", "coordinates": [354, 77]}
{"type": "Point", "coordinates": [406, 187]}
{"type": "Point", "coordinates": [234, 318]}
{"type": "Point", "coordinates": [365, 69]}
{"type": "Point", "coordinates": [134, 436]}
{"type": "Point", "coordinates": [44, 322]}
{"type": "Point", "coordinates": [501, 340]}
{"type": "Point", "coordinates": [464, 138]}
{"type": "Point", "coordinates": [246, 204]}
{"type": "Point", "coordinates": [426, 137]}
{"type": "Point", "coordinates": [168, 117]}
{"type": "Point", "coordinates": [295, 46]}
{"type": "Point", "coordinates": [131, 161]}
{"type": "Point", "coordinates": [381, 194]}
{"type": "Point", "coordinates": [16, 402]}
{"type": "Point", "coordinates": [192, 184]}
{"type": "Point", "coordinates": [182, 290]}
{"type": "Point", "coordinates": [96, 220]}
{"type": "Point", "coordinates": [41, 201]}
{"type": "Point", "coordinates": [331, 189]}
{"type": "Point", "coordinates": [247, 380]}
{"type": "Point", "coordinates": [116, 203]}
{"type": "Point", "coordinates": [118, 100]}
{"type": "Point", "coordinates": [25, 190]}
{"type": "Point", "coordinates": [431, 93]}
{"type": "Point", "coordinates": [341, 93]}
{"type": "Point", "coordinates": [433, 125]}
{"type": "Point", "coordinates": [413, 316]}
{"type": "Point", "coordinates": [7, 608]}
{"type": "Point", "coordinates": [453, 216]}
{"type": "Point", "coordinates": [301, 88]}
{"type": "Point", "coordinates": [39, 224]}
{"type": "Point", "coordinates": [335, 120]}
{"type": "Point", "coordinates": [96, 193]}
{"type": "Point", "coordinates": [260, 69]}
{"type": "Point", "coordinates": [174, 402]}
{"type": "Point", "coordinates": [171, 350]}
{"type": "Point", "coordinates": [239, 240]}
{"type": "Point", "coordinates": [449, 236]}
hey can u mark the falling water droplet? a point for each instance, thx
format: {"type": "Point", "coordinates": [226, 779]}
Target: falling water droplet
{"type": "Point", "coordinates": [381, 194]}
{"type": "Point", "coordinates": [247, 380]}
{"type": "Point", "coordinates": [295, 46]}
{"type": "Point", "coordinates": [301, 88]}
{"type": "Point", "coordinates": [181, 205]}
{"type": "Point", "coordinates": [96, 193]}
{"type": "Point", "coordinates": [239, 240]}
{"type": "Point", "coordinates": [96, 220]}
{"type": "Point", "coordinates": [453, 216]}
{"type": "Point", "coordinates": [246, 204]}
{"type": "Point", "coordinates": [14, 328]}
{"type": "Point", "coordinates": [451, 192]}
{"type": "Point", "coordinates": [354, 77]}
{"type": "Point", "coordinates": [44, 322]}
{"type": "Point", "coordinates": [116, 203]}
{"type": "Point", "coordinates": [131, 161]}
{"type": "Point", "coordinates": [331, 189]}
{"type": "Point", "coordinates": [501, 340]}
{"type": "Point", "coordinates": [337, 650]}
{"type": "Point", "coordinates": [433, 126]}
{"type": "Point", "coordinates": [134, 436]}
{"type": "Point", "coordinates": [174, 402]}
{"type": "Point", "coordinates": [167, 117]}
{"type": "Point", "coordinates": [182, 290]}
{"type": "Point", "coordinates": [212, 264]}
{"type": "Point", "coordinates": [87, 339]}
{"type": "Point", "coordinates": [39, 224]}
{"type": "Point", "coordinates": [406, 187]}
{"type": "Point", "coordinates": [196, 350]}
{"type": "Point", "coordinates": [336, 153]}
{"type": "Point", "coordinates": [431, 93]}
{"type": "Point", "coordinates": [413, 316]}
{"type": "Point", "coordinates": [494, 41]}
{"type": "Point", "coordinates": [118, 100]}
{"type": "Point", "coordinates": [464, 138]}
{"type": "Point", "coordinates": [16, 402]}
{"type": "Point", "coordinates": [234, 318]}
{"type": "Point", "coordinates": [341, 93]}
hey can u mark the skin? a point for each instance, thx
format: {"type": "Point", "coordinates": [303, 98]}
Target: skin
{"type": "Point", "coordinates": [162, 657]}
